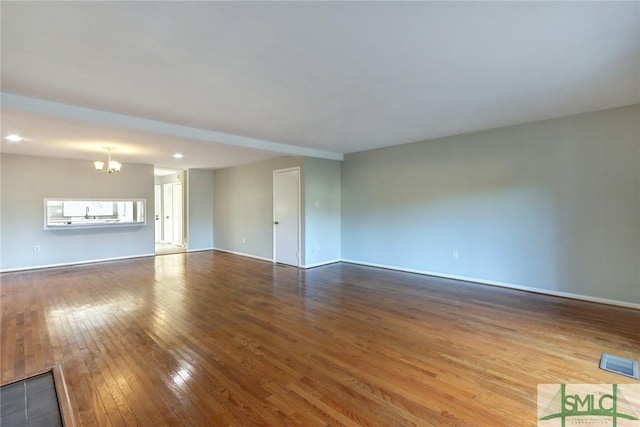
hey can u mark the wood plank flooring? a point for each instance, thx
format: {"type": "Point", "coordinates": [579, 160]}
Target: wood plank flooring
{"type": "Point", "coordinates": [213, 339]}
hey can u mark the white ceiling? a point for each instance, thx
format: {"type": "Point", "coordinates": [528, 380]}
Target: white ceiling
{"type": "Point", "coordinates": [234, 82]}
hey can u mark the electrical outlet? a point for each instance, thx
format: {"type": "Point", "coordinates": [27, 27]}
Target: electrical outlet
{"type": "Point", "coordinates": [244, 240]}
{"type": "Point", "coordinates": [36, 248]}
{"type": "Point", "coordinates": [455, 254]}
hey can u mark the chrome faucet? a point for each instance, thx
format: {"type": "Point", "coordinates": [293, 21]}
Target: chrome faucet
{"type": "Point", "coordinates": [87, 213]}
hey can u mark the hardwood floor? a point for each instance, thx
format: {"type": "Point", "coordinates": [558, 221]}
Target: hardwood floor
{"type": "Point", "coordinates": [213, 339]}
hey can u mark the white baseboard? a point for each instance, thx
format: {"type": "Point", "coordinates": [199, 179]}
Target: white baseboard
{"type": "Point", "coordinates": [68, 264]}
{"type": "Point", "coordinates": [201, 249]}
{"type": "Point", "coordinates": [500, 284]}
{"type": "Point", "coordinates": [368, 264]}
{"type": "Point", "coordinates": [320, 264]}
{"type": "Point", "coordinates": [243, 254]}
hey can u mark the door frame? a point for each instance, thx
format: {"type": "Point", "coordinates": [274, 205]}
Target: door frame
{"type": "Point", "coordinates": [178, 226]}
{"type": "Point", "coordinates": [170, 215]}
{"type": "Point", "coordinates": [157, 207]}
{"type": "Point", "coordinates": [167, 212]}
{"type": "Point", "coordinates": [273, 213]}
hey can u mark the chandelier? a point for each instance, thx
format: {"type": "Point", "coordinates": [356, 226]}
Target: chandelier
{"type": "Point", "coordinates": [111, 165]}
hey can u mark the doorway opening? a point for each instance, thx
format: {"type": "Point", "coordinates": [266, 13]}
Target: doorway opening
{"type": "Point", "coordinates": [169, 206]}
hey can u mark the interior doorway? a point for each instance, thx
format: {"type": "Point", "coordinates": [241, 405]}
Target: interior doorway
{"type": "Point", "coordinates": [169, 213]}
{"type": "Point", "coordinates": [286, 216]}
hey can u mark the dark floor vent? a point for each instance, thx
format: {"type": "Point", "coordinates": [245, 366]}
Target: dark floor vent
{"type": "Point", "coordinates": [620, 365]}
{"type": "Point", "coordinates": [30, 402]}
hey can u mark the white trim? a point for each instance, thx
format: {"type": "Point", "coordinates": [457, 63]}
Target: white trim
{"type": "Point", "coordinates": [67, 264]}
{"type": "Point", "coordinates": [202, 249]}
{"type": "Point", "coordinates": [244, 254]}
{"type": "Point", "coordinates": [500, 284]}
{"type": "Point", "coordinates": [320, 264]}
{"type": "Point", "coordinates": [121, 121]}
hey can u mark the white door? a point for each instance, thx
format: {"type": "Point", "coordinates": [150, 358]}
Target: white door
{"type": "Point", "coordinates": [286, 216]}
{"type": "Point", "coordinates": [177, 214]}
{"type": "Point", "coordinates": [157, 202]}
{"type": "Point", "coordinates": [167, 212]}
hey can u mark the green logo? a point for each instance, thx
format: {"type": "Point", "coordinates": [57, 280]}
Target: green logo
{"type": "Point", "coordinates": [587, 404]}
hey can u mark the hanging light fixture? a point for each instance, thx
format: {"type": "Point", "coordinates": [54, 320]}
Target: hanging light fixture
{"type": "Point", "coordinates": [111, 165]}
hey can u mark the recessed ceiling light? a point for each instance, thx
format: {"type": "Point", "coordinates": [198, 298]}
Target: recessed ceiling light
{"type": "Point", "coordinates": [13, 138]}
{"type": "Point", "coordinates": [178, 156]}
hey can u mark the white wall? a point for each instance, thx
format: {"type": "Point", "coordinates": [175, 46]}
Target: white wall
{"type": "Point", "coordinates": [552, 205]}
{"type": "Point", "coordinates": [199, 209]}
{"type": "Point", "coordinates": [27, 180]}
{"type": "Point", "coordinates": [322, 211]}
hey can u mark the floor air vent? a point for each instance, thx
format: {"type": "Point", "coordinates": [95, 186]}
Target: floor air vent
{"type": "Point", "coordinates": [30, 402]}
{"type": "Point", "coordinates": [619, 365]}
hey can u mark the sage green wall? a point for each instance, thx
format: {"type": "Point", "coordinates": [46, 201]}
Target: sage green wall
{"type": "Point", "coordinates": [552, 205]}
{"type": "Point", "coordinates": [243, 206]}
{"type": "Point", "coordinates": [27, 180]}
{"type": "Point", "coordinates": [199, 209]}
{"type": "Point", "coordinates": [322, 211]}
